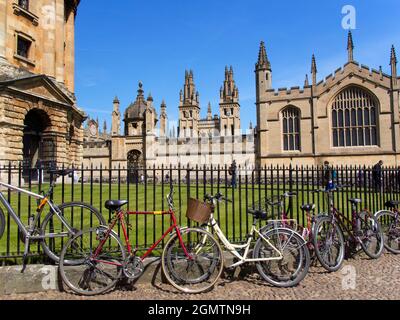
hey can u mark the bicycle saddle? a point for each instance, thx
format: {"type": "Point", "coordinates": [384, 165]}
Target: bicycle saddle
{"type": "Point", "coordinates": [115, 205]}
{"type": "Point", "coordinates": [258, 214]}
{"type": "Point", "coordinates": [392, 204]}
{"type": "Point", "coordinates": [308, 207]}
{"type": "Point", "coordinates": [355, 201]}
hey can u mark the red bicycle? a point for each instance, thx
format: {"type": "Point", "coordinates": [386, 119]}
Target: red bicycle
{"type": "Point", "coordinates": [192, 259]}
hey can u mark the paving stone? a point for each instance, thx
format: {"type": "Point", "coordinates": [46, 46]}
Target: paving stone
{"type": "Point", "coordinates": [374, 279]}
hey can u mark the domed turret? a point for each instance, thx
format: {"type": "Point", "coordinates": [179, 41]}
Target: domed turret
{"type": "Point", "coordinates": [135, 114]}
{"type": "Point", "coordinates": [135, 110]}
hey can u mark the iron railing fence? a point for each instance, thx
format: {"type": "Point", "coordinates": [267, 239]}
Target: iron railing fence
{"type": "Point", "coordinates": [146, 189]}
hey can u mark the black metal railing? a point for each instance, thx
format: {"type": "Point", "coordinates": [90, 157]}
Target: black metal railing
{"type": "Point", "coordinates": [150, 187]}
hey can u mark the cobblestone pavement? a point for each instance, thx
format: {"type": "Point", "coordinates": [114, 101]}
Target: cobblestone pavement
{"type": "Point", "coordinates": [374, 279]}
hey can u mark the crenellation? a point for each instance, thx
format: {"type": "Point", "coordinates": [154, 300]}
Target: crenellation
{"type": "Point", "coordinates": [355, 83]}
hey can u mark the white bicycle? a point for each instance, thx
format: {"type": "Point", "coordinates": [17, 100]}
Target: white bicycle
{"type": "Point", "coordinates": [280, 254]}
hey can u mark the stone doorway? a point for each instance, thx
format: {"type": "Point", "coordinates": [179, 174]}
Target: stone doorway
{"type": "Point", "coordinates": [135, 162]}
{"type": "Point", "coordinates": [39, 147]}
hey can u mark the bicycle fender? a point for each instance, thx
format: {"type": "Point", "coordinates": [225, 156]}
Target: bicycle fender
{"type": "Point", "coordinates": [173, 233]}
{"type": "Point", "coordinates": [382, 211]}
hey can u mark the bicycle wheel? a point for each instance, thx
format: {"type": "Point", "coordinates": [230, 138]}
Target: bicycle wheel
{"type": "Point", "coordinates": [328, 241]}
{"type": "Point", "coordinates": [288, 257]}
{"type": "Point", "coordinates": [80, 216]}
{"type": "Point", "coordinates": [199, 270]}
{"type": "Point", "coordinates": [2, 223]}
{"type": "Point", "coordinates": [90, 275]}
{"type": "Point", "coordinates": [371, 236]}
{"type": "Point", "coordinates": [390, 227]}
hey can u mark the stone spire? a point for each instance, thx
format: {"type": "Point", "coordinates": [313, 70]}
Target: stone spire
{"type": "Point", "coordinates": [209, 112]}
{"type": "Point", "coordinates": [163, 119]}
{"type": "Point", "coordinates": [306, 82]}
{"type": "Point", "coordinates": [350, 47]}
{"type": "Point", "coordinates": [163, 106]}
{"type": "Point", "coordinates": [150, 97]}
{"type": "Point", "coordinates": [229, 92]}
{"type": "Point", "coordinates": [190, 96]}
{"type": "Point", "coordinates": [116, 118]}
{"type": "Point", "coordinates": [105, 128]}
{"type": "Point", "coordinates": [314, 70]}
{"type": "Point", "coordinates": [263, 62]}
{"type": "Point", "coordinates": [393, 64]}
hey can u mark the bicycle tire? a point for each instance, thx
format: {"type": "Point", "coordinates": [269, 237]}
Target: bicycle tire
{"type": "Point", "coordinates": [64, 268]}
{"type": "Point", "coordinates": [2, 223]}
{"type": "Point", "coordinates": [320, 256]}
{"type": "Point", "coordinates": [204, 281]}
{"type": "Point", "coordinates": [373, 230]}
{"type": "Point", "coordinates": [47, 220]}
{"type": "Point", "coordinates": [264, 268]}
{"type": "Point", "coordinates": [389, 234]}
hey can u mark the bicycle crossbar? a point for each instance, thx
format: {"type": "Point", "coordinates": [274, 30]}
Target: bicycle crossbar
{"type": "Point", "coordinates": [29, 193]}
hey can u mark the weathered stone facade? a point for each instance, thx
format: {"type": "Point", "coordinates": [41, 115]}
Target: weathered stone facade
{"type": "Point", "coordinates": [40, 122]}
{"type": "Point", "coordinates": [350, 118]}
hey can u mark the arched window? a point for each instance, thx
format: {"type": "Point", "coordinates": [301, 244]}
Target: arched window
{"type": "Point", "coordinates": [354, 119]}
{"type": "Point", "coordinates": [291, 129]}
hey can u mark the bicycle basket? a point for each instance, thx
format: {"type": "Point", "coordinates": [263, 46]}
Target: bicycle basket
{"type": "Point", "coordinates": [198, 211]}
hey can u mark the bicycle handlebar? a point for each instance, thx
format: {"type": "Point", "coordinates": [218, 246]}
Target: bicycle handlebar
{"type": "Point", "coordinates": [219, 197]}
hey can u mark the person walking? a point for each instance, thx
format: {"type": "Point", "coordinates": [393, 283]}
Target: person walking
{"type": "Point", "coordinates": [377, 176]}
{"type": "Point", "coordinates": [328, 176]}
{"type": "Point", "coordinates": [233, 173]}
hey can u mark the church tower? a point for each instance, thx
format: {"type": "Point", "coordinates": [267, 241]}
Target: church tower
{"type": "Point", "coordinates": [229, 106]}
{"type": "Point", "coordinates": [189, 108]}
{"type": "Point", "coordinates": [263, 72]}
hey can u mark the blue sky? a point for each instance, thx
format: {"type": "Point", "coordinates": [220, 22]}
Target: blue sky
{"type": "Point", "coordinates": [121, 42]}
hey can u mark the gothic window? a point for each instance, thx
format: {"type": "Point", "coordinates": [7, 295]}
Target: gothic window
{"type": "Point", "coordinates": [291, 129]}
{"type": "Point", "coordinates": [354, 119]}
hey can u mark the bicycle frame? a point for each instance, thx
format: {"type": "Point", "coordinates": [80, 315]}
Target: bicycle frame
{"type": "Point", "coordinates": [342, 220]}
{"type": "Point", "coordinates": [43, 201]}
{"type": "Point", "coordinates": [233, 249]}
{"type": "Point", "coordinates": [120, 216]}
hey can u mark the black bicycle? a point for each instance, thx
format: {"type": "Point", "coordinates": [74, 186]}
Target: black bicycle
{"type": "Point", "coordinates": [61, 222]}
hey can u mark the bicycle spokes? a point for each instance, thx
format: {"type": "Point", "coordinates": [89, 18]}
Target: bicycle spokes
{"type": "Point", "coordinates": [94, 269]}
{"type": "Point", "coordinates": [200, 268]}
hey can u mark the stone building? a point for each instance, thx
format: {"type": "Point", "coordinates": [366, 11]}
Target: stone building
{"type": "Point", "coordinates": [351, 117]}
{"type": "Point", "coordinates": [40, 122]}
{"type": "Point", "coordinates": [148, 141]}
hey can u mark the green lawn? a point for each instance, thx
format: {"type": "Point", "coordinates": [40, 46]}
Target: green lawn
{"type": "Point", "coordinates": [147, 229]}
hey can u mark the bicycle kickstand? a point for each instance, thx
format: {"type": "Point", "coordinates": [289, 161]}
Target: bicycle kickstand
{"type": "Point", "coordinates": [25, 256]}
